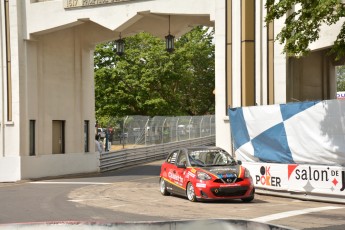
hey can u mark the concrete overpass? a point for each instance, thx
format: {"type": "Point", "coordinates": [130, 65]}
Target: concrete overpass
{"type": "Point", "coordinates": [47, 91]}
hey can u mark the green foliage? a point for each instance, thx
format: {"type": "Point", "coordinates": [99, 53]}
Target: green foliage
{"type": "Point", "coordinates": [340, 73]}
{"type": "Point", "coordinates": [303, 21]}
{"type": "Point", "coordinates": [149, 81]}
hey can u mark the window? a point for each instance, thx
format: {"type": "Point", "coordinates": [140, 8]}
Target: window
{"type": "Point", "coordinates": [86, 136]}
{"type": "Point", "coordinates": [182, 159]}
{"type": "Point", "coordinates": [32, 133]}
{"type": "Point", "coordinates": [58, 137]}
{"type": "Point", "coordinates": [172, 157]}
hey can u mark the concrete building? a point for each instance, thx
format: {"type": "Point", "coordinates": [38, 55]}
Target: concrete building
{"type": "Point", "coordinates": [254, 71]}
{"type": "Point", "coordinates": [47, 87]}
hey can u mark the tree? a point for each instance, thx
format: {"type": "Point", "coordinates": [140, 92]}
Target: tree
{"type": "Point", "coordinates": [303, 21]}
{"type": "Point", "coordinates": [195, 53]}
{"type": "Point", "coordinates": [149, 81]}
{"type": "Point", "coordinates": [340, 71]}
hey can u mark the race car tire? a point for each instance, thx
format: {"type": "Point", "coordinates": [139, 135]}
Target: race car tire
{"type": "Point", "coordinates": [191, 192]}
{"type": "Point", "coordinates": [163, 187]}
{"type": "Point", "coordinates": [249, 199]}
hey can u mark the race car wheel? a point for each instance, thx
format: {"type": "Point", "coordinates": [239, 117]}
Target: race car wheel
{"type": "Point", "coordinates": [163, 187]}
{"type": "Point", "coordinates": [191, 192]}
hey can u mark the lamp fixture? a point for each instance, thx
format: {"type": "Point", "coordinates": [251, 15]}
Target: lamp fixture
{"type": "Point", "coordinates": [120, 46]}
{"type": "Point", "coordinates": [169, 41]}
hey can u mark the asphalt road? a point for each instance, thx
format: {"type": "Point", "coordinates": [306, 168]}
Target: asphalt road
{"type": "Point", "coordinates": [132, 194]}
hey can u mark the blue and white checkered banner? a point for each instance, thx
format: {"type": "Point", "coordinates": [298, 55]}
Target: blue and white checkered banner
{"type": "Point", "coordinates": [310, 132]}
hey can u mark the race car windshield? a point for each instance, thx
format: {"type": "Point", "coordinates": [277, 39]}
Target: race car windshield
{"type": "Point", "coordinates": [210, 158]}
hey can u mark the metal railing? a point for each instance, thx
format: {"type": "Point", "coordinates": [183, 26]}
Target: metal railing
{"type": "Point", "coordinates": [128, 157]}
{"type": "Point", "coordinates": [139, 131]}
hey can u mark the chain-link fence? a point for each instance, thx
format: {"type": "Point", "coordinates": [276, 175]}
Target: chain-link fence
{"type": "Point", "coordinates": [136, 131]}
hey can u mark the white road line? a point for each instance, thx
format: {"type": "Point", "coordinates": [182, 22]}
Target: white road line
{"type": "Point", "coordinates": [145, 178]}
{"type": "Point", "coordinates": [66, 182]}
{"type": "Point", "coordinates": [118, 206]}
{"type": "Point", "coordinates": [90, 199]}
{"type": "Point", "coordinates": [282, 215]}
{"type": "Point", "coordinates": [88, 183]}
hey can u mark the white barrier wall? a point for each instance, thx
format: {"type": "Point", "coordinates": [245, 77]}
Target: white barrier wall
{"type": "Point", "coordinates": [306, 179]}
{"type": "Point", "coordinates": [58, 165]}
{"type": "Point", "coordinates": [9, 169]}
{"type": "Point", "coordinates": [295, 147]}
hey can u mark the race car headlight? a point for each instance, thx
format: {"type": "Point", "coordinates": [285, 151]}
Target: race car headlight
{"type": "Point", "coordinates": [203, 176]}
{"type": "Point", "coordinates": [246, 173]}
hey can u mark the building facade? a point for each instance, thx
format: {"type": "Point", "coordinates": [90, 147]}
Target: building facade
{"type": "Point", "coordinates": [254, 71]}
{"type": "Point", "coordinates": [47, 86]}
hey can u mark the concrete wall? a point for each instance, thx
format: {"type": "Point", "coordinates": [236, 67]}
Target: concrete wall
{"type": "Point", "coordinates": [10, 168]}
{"type": "Point", "coordinates": [62, 88]}
{"type": "Point", "coordinates": [58, 164]}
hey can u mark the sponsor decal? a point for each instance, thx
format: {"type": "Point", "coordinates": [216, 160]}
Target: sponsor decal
{"type": "Point", "coordinates": [220, 169]}
{"type": "Point", "coordinates": [173, 158]}
{"type": "Point", "coordinates": [229, 185]}
{"type": "Point", "coordinates": [82, 3]}
{"type": "Point", "coordinates": [316, 177]}
{"type": "Point", "coordinates": [190, 174]}
{"type": "Point", "coordinates": [341, 95]}
{"type": "Point", "coordinates": [200, 185]}
{"type": "Point", "coordinates": [175, 177]}
{"type": "Point", "coordinates": [309, 174]}
{"type": "Point", "coordinates": [265, 178]}
{"type": "Point", "coordinates": [228, 177]}
{"type": "Point", "coordinates": [304, 178]}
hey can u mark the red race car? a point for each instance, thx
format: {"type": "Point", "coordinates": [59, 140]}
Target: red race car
{"type": "Point", "coordinates": [205, 173]}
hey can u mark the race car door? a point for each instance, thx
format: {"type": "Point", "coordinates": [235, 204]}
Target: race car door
{"type": "Point", "coordinates": [174, 172]}
{"type": "Point", "coordinates": [179, 173]}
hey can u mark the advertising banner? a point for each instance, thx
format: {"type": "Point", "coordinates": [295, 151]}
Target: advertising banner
{"type": "Point", "coordinates": [341, 95]}
{"type": "Point", "coordinates": [309, 179]}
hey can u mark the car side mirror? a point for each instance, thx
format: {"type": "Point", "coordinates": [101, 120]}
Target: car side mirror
{"type": "Point", "coordinates": [239, 162]}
